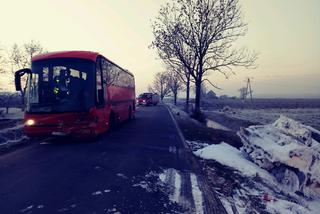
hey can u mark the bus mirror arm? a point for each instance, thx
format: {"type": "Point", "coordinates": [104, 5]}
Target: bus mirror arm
{"type": "Point", "coordinates": [17, 77]}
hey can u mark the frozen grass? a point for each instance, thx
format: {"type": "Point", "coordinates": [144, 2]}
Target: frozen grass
{"type": "Point", "coordinates": [307, 116]}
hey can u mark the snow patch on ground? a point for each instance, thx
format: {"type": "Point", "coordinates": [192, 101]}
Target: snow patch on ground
{"type": "Point", "coordinates": [232, 157]}
{"type": "Point", "coordinates": [122, 176]}
{"type": "Point", "coordinates": [97, 193]}
{"type": "Point", "coordinates": [26, 209]}
{"type": "Point", "coordinates": [172, 178]}
{"type": "Point", "coordinates": [215, 125]}
{"type": "Point", "coordinates": [20, 126]}
{"type": "Point", "coordinates": [196, 145]}
{"type": "Point", "coordinates": [143, 185]}
{"type": "Point", "coordinates": [13, 142]}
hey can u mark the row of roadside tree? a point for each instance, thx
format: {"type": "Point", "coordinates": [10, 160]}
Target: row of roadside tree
{"type": "Point", "coordinates": [195, 38]}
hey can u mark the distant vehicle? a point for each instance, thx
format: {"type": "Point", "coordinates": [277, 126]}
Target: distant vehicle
{"type": "Point", "coordinates": [77, 93]}
{"type": "Point", "coordinates": [148, 99]}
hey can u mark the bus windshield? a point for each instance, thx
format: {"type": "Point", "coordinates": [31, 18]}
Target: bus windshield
{"type": "Point", "coordinates": [61, 85]}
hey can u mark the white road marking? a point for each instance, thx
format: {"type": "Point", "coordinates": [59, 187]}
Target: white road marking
{"type": "Point", "coordinates": [177, 187]}
{"type": "Point", "coordinates": [197, 194]}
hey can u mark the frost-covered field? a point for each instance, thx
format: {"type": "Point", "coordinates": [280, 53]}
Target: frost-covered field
{"type": "Point", "coordinates": [307, 116]}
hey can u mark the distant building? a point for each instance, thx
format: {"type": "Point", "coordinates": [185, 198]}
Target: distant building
{"type": "Point", "coordinates": [211, 95]}
{"type": "Point", "coordinates": [223, 97]}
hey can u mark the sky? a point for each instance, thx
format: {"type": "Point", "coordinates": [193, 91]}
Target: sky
{"type": "Point", "coordinates": [285, 33]}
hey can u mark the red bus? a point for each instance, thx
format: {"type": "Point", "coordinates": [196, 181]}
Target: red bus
{"type": "Point", "coordinates": [75, 93]}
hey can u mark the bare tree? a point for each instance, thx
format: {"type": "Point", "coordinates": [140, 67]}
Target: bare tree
{"type": "Point", "coordinates": [21, 57]}
{"type": "Point", "coordinates": [243, 93]}
{"type": "Point", "coordinates": [160, 85]}
{"type": "Point", "coordinates": [3, 60]}
{"type": "Point", "coordinates": [203, 31]}
{"type": "Point", "coordinates": [32, 48]}
{"type": "Point", "coordinates": [175, 83]}
{"type": "Point", "coordinates": [171, 48]}
{"type": "Point", "coordinates": [7, 98]}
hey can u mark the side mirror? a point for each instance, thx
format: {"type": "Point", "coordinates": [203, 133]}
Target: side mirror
{"type": "Point", "coordinates": [17, 77]}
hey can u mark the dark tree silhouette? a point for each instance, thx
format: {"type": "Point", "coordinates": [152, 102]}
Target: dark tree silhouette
{"type": "Point", "coordinates": [20, 57]}
{"type": "Point", "coordinates": [160, 85]}
{"type": "Point", "coordinates": [175, 83]}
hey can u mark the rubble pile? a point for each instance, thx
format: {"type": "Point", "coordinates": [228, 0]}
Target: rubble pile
{"type": "Point", "coordinates": [289, 151]}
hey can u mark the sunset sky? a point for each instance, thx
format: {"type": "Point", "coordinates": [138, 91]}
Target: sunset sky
{"type": "Point", "coordinates": [285, 32]}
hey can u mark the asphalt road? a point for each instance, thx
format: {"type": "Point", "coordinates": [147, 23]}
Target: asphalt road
{"type": "Point", "coordinates": [140, 167]}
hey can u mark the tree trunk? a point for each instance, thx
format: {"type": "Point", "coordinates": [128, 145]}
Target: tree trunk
{"type": "Point", "coordinates": [187, 93]}
{"type": "Point", "coordinates": [175, 97]}
{"type": "Point", "coordinates": [197, 110]}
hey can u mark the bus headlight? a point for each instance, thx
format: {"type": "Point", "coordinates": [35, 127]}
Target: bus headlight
{"type": "Point", "coordinates": [30, 122]}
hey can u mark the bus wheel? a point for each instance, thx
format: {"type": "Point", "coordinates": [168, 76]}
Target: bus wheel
{"type": "Point", "coordinates": [112, 121]}
{"type": "Point", "coordinates": [130, 115]}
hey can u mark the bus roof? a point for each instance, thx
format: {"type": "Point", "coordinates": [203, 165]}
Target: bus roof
{"type": "Point", "coordinates": [89, 55]}
{"type": "Point", "coordinates": [68, 54]}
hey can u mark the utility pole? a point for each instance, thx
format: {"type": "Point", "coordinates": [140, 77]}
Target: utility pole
{"type": "Point", "coordinates": [249, 88]}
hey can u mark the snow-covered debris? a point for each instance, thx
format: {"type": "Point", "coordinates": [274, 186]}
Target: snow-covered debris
{"type": "Point", "coordinates": [293, 128]}
{"type": "Point", "coordinates": [283, 206]}
{"type": "Point", "coordinates": [287, 150]}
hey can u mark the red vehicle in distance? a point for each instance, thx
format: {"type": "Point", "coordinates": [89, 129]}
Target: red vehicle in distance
{"type": "Point", "coordinates": [75, 93]}
{"type": "Point", "coordinates": [148, 99]}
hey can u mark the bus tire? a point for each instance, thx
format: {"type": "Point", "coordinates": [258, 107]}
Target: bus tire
{"type": "Point", "coordinates": [130, 114]}
{"type": "Point", "coordinates": [112, 121]}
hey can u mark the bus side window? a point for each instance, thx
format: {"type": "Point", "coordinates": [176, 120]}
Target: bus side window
{"type": "Point", "coordinates": [99, 85]}
{"type": "Point", "coordinates": [105, 66]}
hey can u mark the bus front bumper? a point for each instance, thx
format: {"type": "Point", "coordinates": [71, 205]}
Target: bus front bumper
{"type": "Point", "coordinates": [74, 131]}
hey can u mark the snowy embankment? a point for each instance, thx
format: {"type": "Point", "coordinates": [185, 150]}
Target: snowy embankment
{"type": "Point", "coordinates": [11, 128]}
{"type": "Point", "coordinates": [183, 115]}
{"type": "Point", "coordinates": [284, 143]}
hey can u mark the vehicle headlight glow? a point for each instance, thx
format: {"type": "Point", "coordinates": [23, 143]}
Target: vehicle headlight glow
{"type": "Point", "coordinates": [30, 122]}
